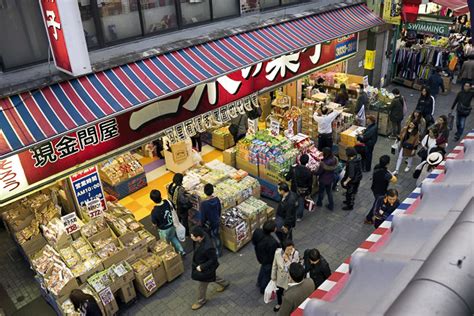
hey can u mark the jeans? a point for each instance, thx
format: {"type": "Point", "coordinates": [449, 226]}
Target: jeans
{"type": "Point", "coordinates": [460, 124]}
{"type": "Point", "coordinates": [170, 236]}
{"type": "Point", "coordinates": [328, 189]}
{"type": "Point", "coordinates": [264, 276]}
{"type": "Point", "coordinates": [202, 288]}
{"type": "Point", "coordinates": [214, 234]}
{"type": "Point", "coordinates": [300, 208]}
{"type": "Point", "coordinates": [351, 192]}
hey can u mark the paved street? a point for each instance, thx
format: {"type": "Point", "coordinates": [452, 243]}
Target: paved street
{"type": "Point", "coordinates": [336, 234]}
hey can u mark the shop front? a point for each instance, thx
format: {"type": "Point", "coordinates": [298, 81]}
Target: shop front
{"type": "Point", "coordinates": [70, 151]}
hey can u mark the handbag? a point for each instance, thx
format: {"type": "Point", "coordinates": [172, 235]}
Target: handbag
{"type": "Point", "coordinates": [423, 152]}
{"type": "Point", "coordinates": [451, 121]}
{"type": "Point", "coordinates": [270, 292]}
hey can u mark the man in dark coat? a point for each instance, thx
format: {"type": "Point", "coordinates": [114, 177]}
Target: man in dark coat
{"type": "Point", "coordinates": [352, 177]}
{"type": "Point", "coordinates": [362, 99]}
{"type": "Point", "coordinates": [435, 82]}
{"type": "Point", "coordinates": [204, 266]}
{"type": "Point", "coordinates": [286, 212]}
{"type": "Point", "coordinates": [396, 114]}
{"type": "Point", "coordinates": [301, 183]}
{"type": "Point", "coordinates": [266, 243]}
{"type": "Point", "coordinates": [369, 139]}
{"type": "Point", "coordinates": [463, 106]}
{"type": "Point", "coordinates": [316, 266]}
{"type": "Point", "coordinates": [298, 290]}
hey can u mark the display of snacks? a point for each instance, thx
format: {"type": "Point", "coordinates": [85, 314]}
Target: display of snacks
{"type": "Point", "coordinates": [132, 223]}
{"type": "Point", "coordinates": [118, 225]}
{"type": "Point", "coordinates": [214, 176]}
{"type": "Point", "coordinates": [45, 215]}
{"type": "Point", "coordinates": [160, 247]}
{"type": "Point", "coordinates": [252, 207]}
{"type": "Point", "coordinates": [144, 234]}
{"type": "Point", "coordinates": [28, 232]}
{"type": "Point", "coordinates": [233, 217]}
{"type": "Point", "coordinates": [117, 210]}
{"type": "Point", "coordinates": [57, 277]}
{"type": "Point", "coordinates": [139, 267]}
{"type": "Point", "coordinates": [102, 279]}
{"type": "Point", "coordinates": [101, 243]}
{"type": "Point", "coordinates": [54, 231]}
{"type": "Point", "coordinates": [94, 227]}
{"type": "Point", "coordinates": [44, 259]}
{"type": "Point", "coordinates": [70, 256]}
{"type": "Point", "coordinates": [36, 202]}
{"type": "Point", "coordinates": [152, 260]}
{"type": "Point", "coordinates": [120, 168]}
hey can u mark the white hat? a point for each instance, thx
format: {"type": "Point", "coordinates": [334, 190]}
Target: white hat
{"type": "Point", "coordinates": [434, 159]}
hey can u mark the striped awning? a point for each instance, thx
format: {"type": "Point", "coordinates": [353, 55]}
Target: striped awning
{"type": "Point", "coordinates": [459, 7]}
{"type": "Point", "coordinates": [32, 117]}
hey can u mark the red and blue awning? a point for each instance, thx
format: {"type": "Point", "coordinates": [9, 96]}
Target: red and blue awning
{"type": "Point", "coordinates": [29, 118]}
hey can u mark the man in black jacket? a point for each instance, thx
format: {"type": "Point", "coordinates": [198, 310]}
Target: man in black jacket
{"type": "Point", "coordinates": [463, 106]}
{"type": "Point", "coordinates": [316, 266]}
{"type": "Point", "coordinates": [266, 243]}
{"type": "Point", "coordinates": [204, 266]}
{"type": "Point", "coordinates": [362, 99]}
{"type": "Point", "coordinates": [301, 183]}
{"type": "Point", "coordinates": [352, 177]}
{"type": "Point", "coordinates": [369, 139]}
{"type": "Point", "coordinates": [396, 114]}
{"type": "Point", "coordinates": [286, 212]}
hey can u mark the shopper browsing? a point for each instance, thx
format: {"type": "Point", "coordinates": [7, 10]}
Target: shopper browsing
{"type": "Point", "coordinates": [298, 290]}
{"type": "Point", "coordinates": [286, 212]}
{"type": "Point", "coordinates": [352, 177]}
{"type": "Point", "coordinates": [384, 206]}
{"type": "Point", "coordinates": [396, 114]}
{"type": "Point", "coordinates": [316, 267]}
{"type": "Point", "coordinates": [326, 173]}
{"type": "Point", "coordinates": [180, 200]}
{"type": "Point", "coordinates": [409, 140]}
{"type": "Point", "coordinates": [463, 105]}
{"type": "Point", "coordinates": [266, 243]}
{"type": "Point", "coordinates": [84, 303]}
{"type": "Point", "coordinates": [342, 97]}
{"type": "Point", "coordinates": [204, 266]}
{"type": "Point", "coordinates": [282, 260]}
{"type": "Point", "coordinates": [162, 218]}
{"type": "Point", "coordinates": [211, 216]}
{"type": "Point", "coordinates": [301, 183]}
{"type": "Point", "coordinates": [324, 118]}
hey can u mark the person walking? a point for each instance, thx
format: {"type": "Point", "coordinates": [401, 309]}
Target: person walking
{"type": "Point", "coordinates": [301, 183]}
{"type": "Point", "coordinates": [324, 118]}
{"type": "Point", "coordinates": [85, 304]}
{"type": "Point", "coordinates": [467, 71]}
{"type": "Point", "coordinates": [384, 206]}
{"type": "Point", "coordinates": [426, 105]}
{"type": "Point", "coordinates": [369, 139]}
{"type": "Point", "coordinates": [286, 212]}
{"type": "Point", "coordinates": [342, 97]}
{"type": "Point", "coordinates": [435, 82]}
{"type": "Point", "coordinates": [417, 118]}
{"type": "Point", "coordinates": [463, 105]}
{"type": "Point", "coordinates": [396, 114]}
{"type": "Point", "coordinates": [180, 200]}
{"type": "Point", "coordinates": [266, 243]}
{"type": "Point", "coordinates": [162, 218]}
{"type": "Point", "coordinates": [204, 266]}
{"type": "Point", "coordinates": [326, 173]}
{"type": "Point", "coordinates": [299, 289]}
{"type": "Point", "coordinates": [428, 142]}
{"type": "Point", "coordinates": [409, 140]}
{"type": "Point", "coordinates": [441, 126]}
{"type": "Point", "coordinates": [316, 267]}
{"type": "Point", "coordinates": [282, 260]}
{"type": "Point", "coordinates": [381, 179]}
{"type": "Point", "coordinates": [352, 177]}
{"type": "Point", "coordinates": [211, 216]}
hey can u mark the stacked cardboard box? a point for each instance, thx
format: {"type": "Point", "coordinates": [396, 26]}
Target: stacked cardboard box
{"type": "Point", "coordinates": [229, 157]}
{"type": "Point", "coordinates": [222, 138]}
{"type": "Point", "coordinates": [173, 264]}
{"type": "Point", "coordinates": [309, 125]}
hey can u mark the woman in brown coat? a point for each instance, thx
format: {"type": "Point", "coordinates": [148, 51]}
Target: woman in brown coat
{"type": "Point", "coordinates": [409, 140]}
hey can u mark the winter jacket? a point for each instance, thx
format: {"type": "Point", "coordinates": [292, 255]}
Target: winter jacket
{"type": "Point", "coordinates": [380, 180]}
{"type": "Point", "coordinates": [382, 209]}
{"type": "Point", "coordinates": [426, 106]}
{"type": "Point", "coordinates": [363, 99]}
{"type": "Point", "coordinates": [301, 177]}
{"type": "Point", "coordinates": [162, 216]}
{"type": "Point", "coordinates": [204, 256]}
{"type": "Point", "coordinates": [295, 295]}
{"type": "Point", "coordinates": [179, 198]}
{"type": "Point", "coordinates": [434, 83]}
{"type": "Point", "coordinates": [318, 272]}
{"type": "Point", "coordinates": [463, 103]}
{"type": "Point", "coordinates": [411, 141]}
{"type": "Point", "coordinates": [280, 268]}
{"type": "Point", "coordinates": [370, 135]}
{"type": "Point", "coordinates": [211, 212]}
{"type": "Point", "coordinates": [287, 209]}
{"type": "Point", "coordinates": [353, 170]}
{"type": "Point", "coordinates": [341, 98]}
{"type": "Point", "coordinates": [327, 169]}
{"type": "Point", "coordinates": [396, 109]}
{"type": "Point", "coordinates": [265, 246]}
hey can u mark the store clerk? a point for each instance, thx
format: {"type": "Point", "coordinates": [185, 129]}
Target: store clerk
{"type": "Point", "coordinates": [324, 119]}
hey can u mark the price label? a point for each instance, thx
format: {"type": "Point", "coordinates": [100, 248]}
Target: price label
{"type": "Point", "coordinates": [149, 282]}
{"type": "Point", "coordinates": [291, 125]}
{"type": "Point", "coordinates": [253, 126]}
{"type": "Point", "coordinates": [106, 296]}
{"type": "Point", "coordinates": [274, 127]}
{"type": "Point", "coordinates": [120, 270]}
{"type": "Point", "coordinates": [94, 208]}
{"type": "Point", "coordinates": [70, 222]}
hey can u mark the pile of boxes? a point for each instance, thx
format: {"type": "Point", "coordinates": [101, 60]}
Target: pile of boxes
{"type": "Point", "coordinates": [309, 125]}
{"type": "Point", "coordinates": [348, 138]}
{"type": "Point", "coordinates": [222, 139]}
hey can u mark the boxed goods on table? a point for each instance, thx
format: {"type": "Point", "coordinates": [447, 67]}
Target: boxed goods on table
{"type": "Point", "coordinates": [144, 279]}
{"type": "Point", "coordinates": [349, 136]}
{"type": "Point", "coordinates": [55, 233]}
{"type": "Point", "coordinates": [234, 229]}
{"type": "Point", "coordinates": [67, 308]}
{"type": "Point", "coordinates": [94, 227]}
{"type": "Point", "coordinates": [59, 280]}
{"type": "Point", "coordinates": [135, 246]}
{"type": "Point", "coordinates": [132, 224]}
{"type": "Point", "coordinates": [255, 211]}
{"type": "Point", "coordinates": [81, 259]}
{"type": "Point", "coordinates": [17, 218]}
{"type": "Point", "coordinates": [127, 293]}
{"type": "Point", "coordinates": [148, 237]}
{"type": "Point", "coordinates": [161, 247]}
{"type": "Point", "coordinates": [173, 264]}
{"type": "Point", "coordinates": [229, 156]}
{"type": "Point", "coordinates": [117, 210]}
{"type": "Point", "coordinates": [108, 248]}
{"type": "Point", "coordinates": [114, 277]}
{"type": "Point", "coordinates": [222, 138]}
{"type": "Point", "coordinates": [120, 169]}
{"type": "Point", "coordinates": [117, 224]}
{"type": "Point", "coordinates": [155, 263]}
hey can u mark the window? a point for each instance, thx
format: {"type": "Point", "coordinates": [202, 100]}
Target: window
{"type": "Point", "coordinates": [23, 34]}
{"type": "Point", "coordinates": [266, 4]}
{"type": "Point", "coordinates": [120, 19]}
{"type": "Point", "coordinates": [158, 15]}
{"type": "Point", "coordinates": [225, 8]}
{"type": "Point", "coordinates": [195, 11]}
{"type": "Point", "coordinates": [88, 23]}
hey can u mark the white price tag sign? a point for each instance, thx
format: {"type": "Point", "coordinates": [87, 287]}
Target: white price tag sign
{"type": "Point", "coordinates": [70, 222]}
{"type": "Point", "coordinates": [94, 208]}
{"type": "Point", "coordinates": [149, 282]}
{"type": "Point", "coordinates": [274, 127]}
{"type": "Point", "coordinates": [253, 126]}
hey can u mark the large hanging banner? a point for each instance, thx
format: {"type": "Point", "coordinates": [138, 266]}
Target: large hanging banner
{"type": "Point", "coordinates": [179, 115]}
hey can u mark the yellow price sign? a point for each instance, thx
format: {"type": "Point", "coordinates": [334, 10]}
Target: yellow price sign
{"type": "Point", "coordinates": [391, 11]}
{"type": "Point", "coordinates": [369, 62]}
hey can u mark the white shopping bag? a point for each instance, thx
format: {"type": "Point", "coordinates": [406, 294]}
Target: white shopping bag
{"type": "Point", "coordinates": [181, 232]}
{"type": "Point", "coordinates": [270, 292]}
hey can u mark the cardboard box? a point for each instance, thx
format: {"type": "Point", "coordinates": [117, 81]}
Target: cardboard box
{"type": "Point", "coordinates": [127, 293]}
{"type": "Point", "coordinates": [23, 218]}
{"type": "Point", "coordinates": [229, 157]}
{"type": "Point", "coordinates": [271, 213]}
{"type": "Point", "coordinates": [32, 246]}
{"type": "Point", "coordinates": [161, 247]}
{"type": "Point", "coordinates": [145, 283]}
{"type": "Point", "coordinates": [111, 308]}
{"type": "Point", "coordinates": [222, 141]}
{"type": "Point", "coordinates": [117, 257]}
{"type": "Point", "coordinates": [235, 238]}
{"type": "Point", "coordinates": [67, 289]}
{"type": "Point", "coordinates": [173, 267]}
{"type": "Point", "coordinates": [138, 249]}
{"type": "Point", "coordinates": [349, 136]}
{"type": "Point", "coordinates": [180, 152]}
{"type": "Point", "coordinates": [83, 277]}
{"type": "Point", "coordinates": [157, 268]}
{"type": "Point", "coordinates": [246, 166]}
{"type": "Point", "coordinates": [269, 175]}
{"type": "Point", "coordinates": [126, 278]}
{"type": "Point", "coordinates": [342, 151]}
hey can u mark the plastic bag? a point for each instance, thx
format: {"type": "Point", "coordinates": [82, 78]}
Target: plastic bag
{"type": "Point", "coordinates": [450, 121]}
{"type": "Point", "coordinates": [270, 292]}
{"type": "Point", "coordinates": [309, 204]}
{"type": "Point", "coordinates": [181, 232]}
{"type": "Point", "coordinates": [395, 146]}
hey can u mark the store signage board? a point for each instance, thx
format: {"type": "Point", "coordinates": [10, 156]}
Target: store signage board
{"type": "Point", "coordinates": [71, 223]}
{"type": "Point", "coordinates": [63, 23]}
{"type": "Point", "coordinates": [106, 296]}
{"type": "Point", "coordinates": [12, 177]}
{"type": "Point", "coordinates": [369, 62]}
{"type": "Point", "coordinates": [391, 11]}
{"type": "Point", "coordinates": [424, 27]}
{"type": "Point", "coordinates": [67, 152]}
{"type": "Point", "coordinates": [149, 282]}
{"type": "Point", "coordinates": [87, 187]}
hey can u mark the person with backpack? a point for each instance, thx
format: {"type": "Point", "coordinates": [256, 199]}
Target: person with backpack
{"type": "Point", "coordinates": [326, 173]}
{"type": "Point", "coordinates": [396, 114]}
{"type": "Point", "coordinates": [463, 106]}
{"type": "Point", "coordinates": [316, 267]}
{"type": "Point", "coordinates": [180, 200]}
{"type": "Point", "coordinates": [211, 216]}
{"type": "Point", "coordinates": [301, 183]}
{"type": "Point", "coordinates": [266, 243]}
{"type": "Point", "coordinates": [352, 177]}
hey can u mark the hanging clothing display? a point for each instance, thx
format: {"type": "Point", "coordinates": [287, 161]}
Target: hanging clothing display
{"type": "Point", "coordinates": [413, 63]}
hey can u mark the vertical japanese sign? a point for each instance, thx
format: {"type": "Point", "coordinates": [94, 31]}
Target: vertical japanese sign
{"type": "Point", "coordinates": [12, 177]}
{"type": "Point", "coordinates": [66, 37]}
{"type": "Point", "coordinates": [70, 222]}
{"type": "Point", "coordinates": [87, 187]}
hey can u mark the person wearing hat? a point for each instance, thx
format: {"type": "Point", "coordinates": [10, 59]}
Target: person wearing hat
{"type": "Point", "coordinates": [425, 168]}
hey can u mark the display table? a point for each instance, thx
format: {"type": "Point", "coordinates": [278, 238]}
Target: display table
{"type": "Point", "coordinates": [126, 187]}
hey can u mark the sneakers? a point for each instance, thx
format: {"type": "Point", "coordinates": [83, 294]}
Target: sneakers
{"type": "Point", "coordinates": [222, 288]}
{"type": "Point", "coordinates": [197, 305]}
{"type": "Point", "coordinates": [407, 169]}
{"type": "Point", "coordinates": [348, 208]}
{"type": "Point", "coordinates": [276, 308]}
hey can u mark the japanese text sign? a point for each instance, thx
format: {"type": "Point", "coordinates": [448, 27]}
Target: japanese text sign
{"type": "Point", "coordinates": [149, 283]}
{"type": "Point", "coordinates": [94, 208]}
{"type": "Point", "coordinates": [70, 222]}
{"type": "Point", "coordinates": [86, 186]}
